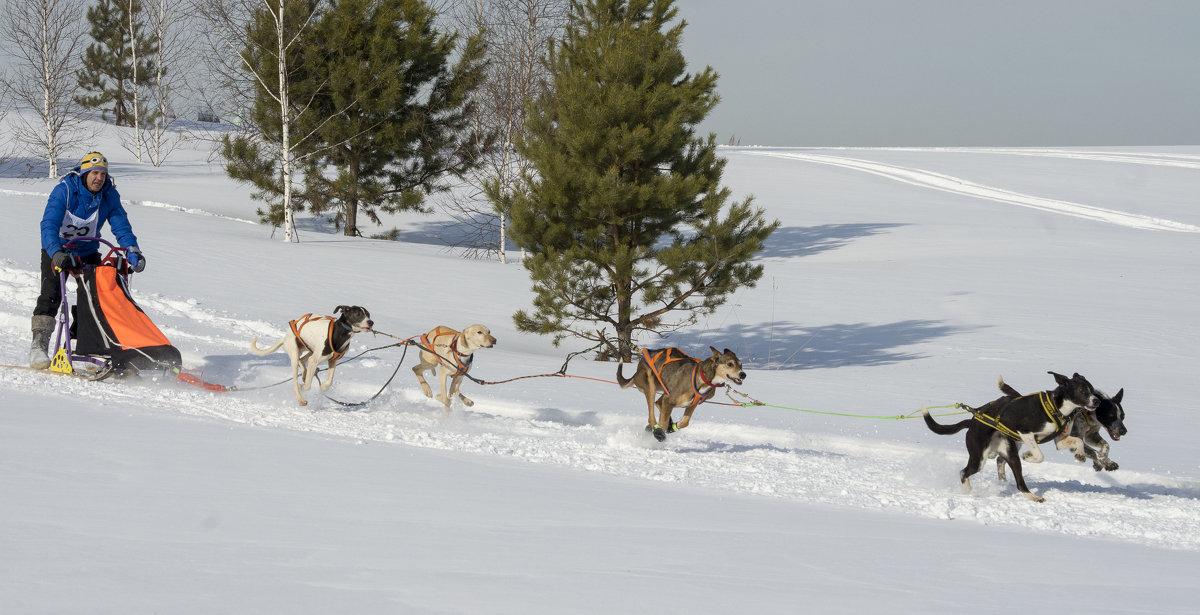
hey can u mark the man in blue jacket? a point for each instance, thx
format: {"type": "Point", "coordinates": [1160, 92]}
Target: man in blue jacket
{"type": "Point", "coordinates": [79, 206]}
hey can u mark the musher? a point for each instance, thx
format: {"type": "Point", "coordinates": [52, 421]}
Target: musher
{"type": "Point", "coordinates": [79, 205]}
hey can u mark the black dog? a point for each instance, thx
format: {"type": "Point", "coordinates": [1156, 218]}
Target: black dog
{"type": "Point", "coordinates": [1109, 414]}
{"type": "Point", "coordinates": [999, 427]}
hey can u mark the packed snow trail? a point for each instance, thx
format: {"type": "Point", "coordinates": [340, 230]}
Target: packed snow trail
{"type": "Point", "coordinates": [956, 185]}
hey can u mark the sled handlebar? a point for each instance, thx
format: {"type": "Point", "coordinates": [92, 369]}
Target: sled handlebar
{"type": "Point", "coordinates": [115, 255]}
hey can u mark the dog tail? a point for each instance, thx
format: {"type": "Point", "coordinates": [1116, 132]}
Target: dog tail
{"type": "Point", "coordinates": [262, 352]}
{"type": "Point", "coordinates": [944, 430]}
{"type": "Point", "coordinates": [621, 379]}
{"type": "Point", "coordinates": [1006, 389]}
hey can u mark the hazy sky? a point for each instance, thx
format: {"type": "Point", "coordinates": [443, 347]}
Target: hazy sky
{"type": "Point", "coordinates": [949, 72]}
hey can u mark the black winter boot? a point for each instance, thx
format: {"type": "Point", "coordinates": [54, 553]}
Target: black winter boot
{"type": "Point", "coordinates": [43, 327]}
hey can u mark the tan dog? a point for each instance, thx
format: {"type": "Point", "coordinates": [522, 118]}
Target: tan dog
{"type": "Point", "coordinates": [317, 339]}
{"type": "Point", "coordinates": [683, 380]}
{"type": "Point", "coordinates": [451, 358]}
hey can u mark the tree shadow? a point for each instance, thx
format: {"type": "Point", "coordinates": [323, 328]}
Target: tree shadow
{"type": "Point", "coordinates": [1133, 491]}
{"type": "Point", "coordinates": [800, 241]}
{"type": "Point", "coordinates": [793, 346]}
{"type": "Point", "coordinates": [28, 168]}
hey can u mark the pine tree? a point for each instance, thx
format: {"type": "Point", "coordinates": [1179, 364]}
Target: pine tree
{"type": "Point", "coordinates": [393, 114]}
{"type": "Point", "coordinates": [109, 71]}
{"type": "Point", "coordinates": [625, 216]}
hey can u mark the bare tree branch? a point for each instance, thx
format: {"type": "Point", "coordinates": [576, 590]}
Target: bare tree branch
{"type": "Point", "coordinates": [44, 36]}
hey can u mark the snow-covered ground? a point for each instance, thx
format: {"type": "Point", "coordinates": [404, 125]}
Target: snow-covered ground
{"type": "Point", "coordinates": [899, 279]}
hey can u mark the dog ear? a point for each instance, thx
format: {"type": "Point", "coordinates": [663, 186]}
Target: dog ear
{"type": "Point", "coordinates": [728, 352]}
{"type": "Point", "coordinates": [714, 351]}
{"type": "Point", "coordinates": [1117, 398]}
{"type": "Point", "coordinates": [1059, 378]}
{"type": "Point", "coordinates": [340, 308]}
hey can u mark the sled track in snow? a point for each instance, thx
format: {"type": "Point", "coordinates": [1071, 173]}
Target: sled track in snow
{"type": "Point", "coordinates": [956, 185]}
{"type": "Point", "coordinates": [810, 468]}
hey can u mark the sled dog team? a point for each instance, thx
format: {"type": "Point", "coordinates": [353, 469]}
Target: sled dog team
{"type": "Point", "coordinates": [1071, 414]}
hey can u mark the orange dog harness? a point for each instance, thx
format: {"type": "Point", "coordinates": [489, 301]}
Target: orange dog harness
{"type": "Point", "coordinates": [461, 367]}
{"type": "Point", "coordinates": [307, 318]}
{"type": "Point", "coordinates": [671, 355]}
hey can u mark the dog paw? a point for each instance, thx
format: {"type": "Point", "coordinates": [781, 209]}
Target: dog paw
{"type": "Point", "coordinates": [1111, 466]}
{"type": "Point", "coordinates": [659, 434]}
{"type": "Point", "coordinates": [301, 402]}
{"type": "Point", "coordinates": [1080, 458]}
{"type": "Point", "coordinates": [467, 402]}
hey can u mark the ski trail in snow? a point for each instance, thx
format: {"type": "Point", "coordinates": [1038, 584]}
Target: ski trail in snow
{"type": "Point", "coordinates": [956, 185]}
{"type": "Point", "coordinates": [1184, 161]}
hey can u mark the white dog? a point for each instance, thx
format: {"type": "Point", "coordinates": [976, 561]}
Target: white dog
{"type": "Point", "coordinates": [451, 356]}
{"type": "Point", "coordinates": [315, 340]}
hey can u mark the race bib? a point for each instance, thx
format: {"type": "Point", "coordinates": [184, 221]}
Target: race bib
{"type": "Point", "coordinates": [73, 226]}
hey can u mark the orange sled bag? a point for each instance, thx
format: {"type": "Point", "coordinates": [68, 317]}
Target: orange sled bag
{"type": "Point", "coordinates": [109, 323]}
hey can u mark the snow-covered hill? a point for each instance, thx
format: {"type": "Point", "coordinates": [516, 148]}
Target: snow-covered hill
{"type": "Point", "coordinates": [899, 279]}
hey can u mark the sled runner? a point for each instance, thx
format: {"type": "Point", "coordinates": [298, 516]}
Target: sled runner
{"type": "Point", "coordinates": [105, 329]}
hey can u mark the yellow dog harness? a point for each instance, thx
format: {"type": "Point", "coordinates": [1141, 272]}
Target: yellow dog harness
{"type": "Point", "coordinates": [1047, 405]}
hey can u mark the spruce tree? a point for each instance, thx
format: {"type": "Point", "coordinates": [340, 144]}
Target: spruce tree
{"type": "Point", "coordinates": [109, 73]}
{"type": "Point", "coordinates": [628, 226]}
{"type": "Point", "coordinates": [393, 115]}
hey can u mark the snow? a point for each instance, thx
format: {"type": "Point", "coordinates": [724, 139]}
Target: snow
{"type": "Point", "coordinates": [900, 278]}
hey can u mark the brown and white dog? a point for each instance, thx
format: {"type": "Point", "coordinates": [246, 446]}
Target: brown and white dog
{"type": "Point", "coordinates": [313, 340]}
{"type": "Point", "coordinates": [683, 380]}
{"type": "Point", "coordinates": [449, 353]}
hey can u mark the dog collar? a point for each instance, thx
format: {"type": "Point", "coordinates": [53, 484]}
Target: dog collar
{"type": "Point", "coordinates": [463, 366]}
{"type": "Point", "coordinates": [712, 390]}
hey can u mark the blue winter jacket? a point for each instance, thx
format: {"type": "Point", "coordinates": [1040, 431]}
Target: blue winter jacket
{"type": "Point", "coordinates": [70, 196]}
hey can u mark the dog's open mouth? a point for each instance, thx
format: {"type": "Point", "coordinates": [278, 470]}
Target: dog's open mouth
{"type": "Point", "coordinates": [735, 380]}
{"type": "Point", "coordinates": [1114, 435]}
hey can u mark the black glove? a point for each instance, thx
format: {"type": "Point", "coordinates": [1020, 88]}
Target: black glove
{"type": "Point", "coordinates": [136, 261]}
{"type": "Point", "coordinates": [65, 261]}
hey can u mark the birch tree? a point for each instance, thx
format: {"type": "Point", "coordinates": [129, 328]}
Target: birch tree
{"type": "Point", "coordinates": [517, 34]}
{"type": "Point", "coordinates": [174, 43]}
{"type": "Point", "coordinates": [44, 37]}
{"type": "Point", "coordinates": [256, 46]}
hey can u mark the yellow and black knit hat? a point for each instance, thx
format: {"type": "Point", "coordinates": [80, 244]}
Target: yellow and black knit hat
{"type": "Point", "coordinates": [94, 160]}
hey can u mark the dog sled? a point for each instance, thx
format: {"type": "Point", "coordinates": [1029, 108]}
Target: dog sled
{"type": "Point", "coordinates": [105, 333]}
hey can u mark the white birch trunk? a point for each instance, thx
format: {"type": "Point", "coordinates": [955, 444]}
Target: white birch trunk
{"type": "Point", "coordinates": [137, 119]}
{"type": "Point", "coordinates": [285, 146]}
